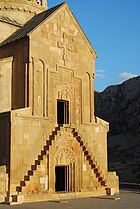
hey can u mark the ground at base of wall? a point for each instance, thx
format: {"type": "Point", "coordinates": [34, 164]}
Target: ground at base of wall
{"type": "Point", "coordinates": [59, 196]}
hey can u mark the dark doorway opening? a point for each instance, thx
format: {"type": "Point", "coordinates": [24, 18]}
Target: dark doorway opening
{"type": "Point", "coordinates": [62, 178]}
{"type": "Point", "coordinates": [62, 112]}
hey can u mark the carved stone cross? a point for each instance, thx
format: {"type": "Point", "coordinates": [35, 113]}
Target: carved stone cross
{"type": "Point", "coordinates": [66, 47]}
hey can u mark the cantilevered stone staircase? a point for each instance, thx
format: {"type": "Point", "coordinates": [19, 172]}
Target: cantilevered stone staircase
{"type": "Point", "coordinates": [92, 162]}
{"type": "Point", "coordinates": [38, 161]}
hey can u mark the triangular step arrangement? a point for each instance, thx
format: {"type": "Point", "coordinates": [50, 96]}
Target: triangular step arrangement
{"type": "Point", "coordinates": [89, 157]}
{"type": "Point", "coordinates": [38, 161]}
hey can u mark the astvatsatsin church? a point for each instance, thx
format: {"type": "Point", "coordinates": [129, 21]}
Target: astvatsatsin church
{"type": "Point", "coordinates": [52, 145]}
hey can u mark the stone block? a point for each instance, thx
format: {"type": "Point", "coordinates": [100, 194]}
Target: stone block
{"type": "Point", "coordinates": [2, 198]}
{"type": "Point", "coordinates": [110, 191]}
{"type": "Point", "coordinates": [19, 199]}
{"type": "Point", "coordinates": [51, 69]}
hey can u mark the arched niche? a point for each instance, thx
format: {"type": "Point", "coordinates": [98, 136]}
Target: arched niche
{"type": "Point", "coordinates": [86, 100]}
{"type": "Point", "coordinates": [65, 177]}
{"type": "Point", "coordinates": [40, 88]}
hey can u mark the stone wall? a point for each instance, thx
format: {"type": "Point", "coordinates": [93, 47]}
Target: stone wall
{"type": "Point", "coordinates": [3, 183]}
{"type": "Point", "coordinates": [18, 79]}
{"type": "Point", "coordinates": [5, 84]}
{"type": "Point", "coordinates": [8, 30]}
{"type": "Point", "coordinates": [29, 134]}
{"type": "Point", "coordinates": [69, 59]}
{"type": "Point", "coordinates": [95, 137]}
{"type": "Point", "coordinates": [4, 139]}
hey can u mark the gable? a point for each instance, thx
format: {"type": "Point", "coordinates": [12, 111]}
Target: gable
{"type": "Point", "coordinates": [59, 47]}
{"type": "Point", "coordinates": [74, 21]}
{"type": "Point", "coordinates": [64, 18]}
{"type": "Point", "coordinates": [47, 15]}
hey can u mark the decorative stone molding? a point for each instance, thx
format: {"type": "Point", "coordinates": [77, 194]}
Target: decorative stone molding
{"type": "Point", "coordinates": [64, 156]}
{"type": "Point", "coordinates": [63, 95]}
{"type": "Point", "coordinates": [17, 9]}
{"type": "Point", "coordinates": [21, 10]}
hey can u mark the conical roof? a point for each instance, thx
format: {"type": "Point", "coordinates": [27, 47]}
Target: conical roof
{"type": "Point", "coordinates": [21, 11]}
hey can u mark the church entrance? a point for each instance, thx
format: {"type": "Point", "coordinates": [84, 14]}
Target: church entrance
{"type": "Point", "coordinates": [62, 112]}
{"type": "Point", "coordinates": [64, 170]}
{"type": "Point", "coordinates": [62, 178]}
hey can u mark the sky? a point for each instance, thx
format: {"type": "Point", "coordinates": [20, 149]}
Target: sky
{"type": "Point", "coordinates": [113, 29]}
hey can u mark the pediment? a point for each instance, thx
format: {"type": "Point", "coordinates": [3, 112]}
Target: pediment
{"type": "Point", "coordinates": [65, 13]}
{"type": "Point", "coordinates": [45, 17]}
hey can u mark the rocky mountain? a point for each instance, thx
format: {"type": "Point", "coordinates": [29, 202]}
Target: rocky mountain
{"type": "Point", "coordinates": [120, 106]}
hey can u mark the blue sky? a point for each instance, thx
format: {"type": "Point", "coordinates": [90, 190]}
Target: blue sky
{"type": "Point", "coordinates": [113, 28]}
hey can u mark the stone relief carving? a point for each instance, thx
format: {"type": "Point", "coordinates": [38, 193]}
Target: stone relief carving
{"type": "Point", "coordinates": [66, 46]}
{"type": "Point", "coordinates": [63, 95]}
{"type": "Point", "coordinates": [64, 156]}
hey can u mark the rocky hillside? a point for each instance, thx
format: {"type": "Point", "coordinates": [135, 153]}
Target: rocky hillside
{"type": "Point", "coordinates": [120, 106]}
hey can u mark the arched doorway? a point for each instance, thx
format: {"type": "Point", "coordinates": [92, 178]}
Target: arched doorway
{"type": "Point", "coordinates": [65, 170]}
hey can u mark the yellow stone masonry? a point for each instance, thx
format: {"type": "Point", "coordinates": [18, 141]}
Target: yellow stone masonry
{"type": "Point", "coordinates": [52, 144]}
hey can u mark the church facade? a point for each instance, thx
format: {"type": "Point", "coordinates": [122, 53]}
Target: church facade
{"type": "Point", "coordinates": [51, 143]}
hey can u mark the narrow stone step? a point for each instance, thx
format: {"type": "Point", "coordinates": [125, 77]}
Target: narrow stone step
{"type": "Point", "coordinates": [73, 129]}
{"type": "Point", "coordinates": [96, 170]}
{"type": "Point", "coordinates": [88, 157]}
{"type": "Point", "coordinates": [19, 189]}
{"type": "Point", "coordinates": [91, 162]}
{"type": "Point", "coordinates": [78, 138]}
{"type": "Point", "coordinates": [43, 152]}
{"type": "Point", "coordinates": [30, 173]}
{"type": "Point", "coordinates": [37, 162]}
{"type": "Point", "coordinates": [51, 137]}
{"type": "Point", "coordinates": [100, 179]}
{"type": "Point", "coordinates": [84, 148]}
{"type": "Point", "coordinates": [81, 143]}
{"type": "Point", "coordinates": [60, 125]}
{"type": "Point", "coordinates": [26, 178]}
{"type": "Point", "coordinates": [49, 142]}
{"type": "Point", "coordinates": [40, 157]}
{"type": "Point", "coordinates": [86, 153]}
{"type": "Point", "coordinates": [57, 128]}
{"type": "Point", "coordinates": [98, 175]}
{"type": "Point", "coordinates": [54, 132]}
{"type": "Point", "coordinates": [46, 147]}
{"type": "Point", "coordinates": [103, 183]}
{"type": "Point", "coordinates": [75, 134]}
{"type": "Point", "coordinates": [22, 183]}
{"type": "Point", "coordinates": [93, 166]}
{"type": "Point", "coordinates": [33, 167]}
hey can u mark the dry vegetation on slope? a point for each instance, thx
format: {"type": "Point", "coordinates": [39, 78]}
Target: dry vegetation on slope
{"type": "Point", "coordinates": [120, 106]}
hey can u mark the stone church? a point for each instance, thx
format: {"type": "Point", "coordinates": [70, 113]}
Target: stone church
{"type": "Point", "coordinates": [52, 146]}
